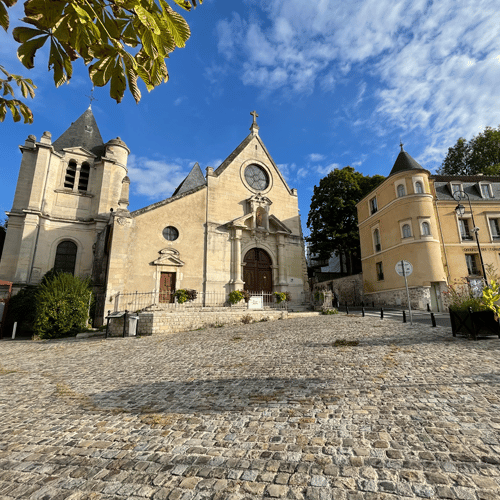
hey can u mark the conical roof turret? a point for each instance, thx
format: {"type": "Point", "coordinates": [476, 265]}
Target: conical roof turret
{"type": "Point", "coordinates": [84, 133]}
{"type": "Point", "coordinates": [405, 162]}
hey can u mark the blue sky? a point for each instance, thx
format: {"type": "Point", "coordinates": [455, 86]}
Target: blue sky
{"type": "Point", "coordinates": [334, 84]}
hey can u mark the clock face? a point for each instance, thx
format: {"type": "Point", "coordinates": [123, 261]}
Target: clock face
{"type": "Point", "coordinates": [256, 177]}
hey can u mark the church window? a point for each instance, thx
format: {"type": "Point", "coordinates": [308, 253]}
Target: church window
{"type": "Point", "coordinates": [69, 179]}
{"type": "Point", "coordinates": [83, 182]}
{"type": "Point", "coordinates": [65, 257]}
{"type": "Point", "coordinates": [256, 177]}
{"type": "Point", "coordinates": [170, 233]}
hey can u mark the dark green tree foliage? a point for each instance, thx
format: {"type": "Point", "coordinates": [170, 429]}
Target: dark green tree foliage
{"type": "Point", "coordinates": [62, 305]}
{"type": "Point", "coordinates": [332, 219]}
{"type": "Point", "coordinates": [480, 155]}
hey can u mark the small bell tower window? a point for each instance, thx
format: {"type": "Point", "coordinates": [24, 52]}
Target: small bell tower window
{"type": "Point", "coordinates": [69, 179]}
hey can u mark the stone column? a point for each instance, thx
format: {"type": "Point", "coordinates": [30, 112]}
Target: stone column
{"type": "Point", "coordinates": [281, 260]}
{"type": "Point", "coordinates": [237, 281]}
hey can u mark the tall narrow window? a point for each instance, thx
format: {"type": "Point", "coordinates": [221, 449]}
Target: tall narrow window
{"type": "Point", "coordinates": [464, 229]}
{"type": "Point", "coordinates": [376, 240]}
{"type": "Point", "coordinates": [373, 206]}
{"type": "Point", "coordinates": [426, 229]}
{"type": "Point", "coordinates": [419, 188]}
{"type": "Point", "coordinates": [406, 231]}
{"type": "Point", "coordinates": [486, 191]}
{"type": "Point", "coordinates": [495, 229]}
{"type": "Point", "coordinates": [69, 179]}
{"type": "Point", "coordinates": [83, 182]}
{"type": "Point", "coordinates": [65, 257]}
{"type": "Point", "coordinates": [401, 191]}
{"type": "Point", "coordinates": [471, 261]}
{"type": "Point", "coordinates": [380, 271]}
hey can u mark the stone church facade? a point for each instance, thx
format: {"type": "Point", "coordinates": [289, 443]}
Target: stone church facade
{"type": "Point", "coordinates": [236, 227]}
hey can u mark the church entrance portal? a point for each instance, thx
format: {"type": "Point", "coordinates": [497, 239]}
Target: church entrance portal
{"type": "Point", "coordinates": [257, 273]}
{"type": "Point", "coordinates": [167, 287]}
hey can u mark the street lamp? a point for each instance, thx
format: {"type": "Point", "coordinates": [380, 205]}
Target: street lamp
{"type": "Point", "coordinates": [460, 211]}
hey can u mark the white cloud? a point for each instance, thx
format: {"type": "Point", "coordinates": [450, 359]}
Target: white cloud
{"type": "Point", "coordinates": [431, 66]}
{"type": "Point", "coordinates": [180, 100]}
{"type": "Point", "coordinates": [156, 178]}
{"type": "Point", "coordinates": [327, 169]}
{"type": "Point", "coordinates": [315, 157]}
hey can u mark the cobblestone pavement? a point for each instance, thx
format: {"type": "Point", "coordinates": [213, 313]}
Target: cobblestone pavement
{"type": "Point", "coordinates": [283, 409]}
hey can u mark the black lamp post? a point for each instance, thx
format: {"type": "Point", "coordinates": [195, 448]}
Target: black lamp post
{"type": "Point", "coordinates": [460, 210]}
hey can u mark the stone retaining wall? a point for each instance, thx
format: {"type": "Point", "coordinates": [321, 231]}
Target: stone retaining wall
{"type": "Point", "coordinates": [419, 297]}
{"type": "Point", "coordinates": [173, 321]}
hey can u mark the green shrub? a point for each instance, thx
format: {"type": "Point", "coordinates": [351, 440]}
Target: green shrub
{"type": "Point", "coordinates": [282, 297]}
{"type": "Point", "coordinates": [182, 295]}
{"type": "Point", "coordinates": [62, 304]}
{"type": "Point", "coordinates": [330, 311]}
{"type": "Point", "coordinates": [319, 296]}
{"type": "Point", "coordinates": [235, 296]}
{"type": "Point", "coordinates": [21, 308]}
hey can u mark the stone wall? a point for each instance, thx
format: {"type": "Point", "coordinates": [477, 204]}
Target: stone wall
{"type": "Point", "coordinates": [419, 297]}
{"type": "Point", "coordinates": [167, 321]}
{"type": "Point", "coordinates": [347, 289]}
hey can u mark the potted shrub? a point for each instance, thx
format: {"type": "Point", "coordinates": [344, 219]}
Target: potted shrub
{"type": "Point", "coordinates": [473, 315]}
{"type": "Point", "coordinates": [183, 295]}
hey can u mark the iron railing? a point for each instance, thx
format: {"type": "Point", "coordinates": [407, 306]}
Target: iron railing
{"type": "Point", "coordinates": [136, 301]}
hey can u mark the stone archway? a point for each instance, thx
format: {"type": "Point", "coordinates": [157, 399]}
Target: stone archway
{"type": "Point", "coordinates": [257, 272]}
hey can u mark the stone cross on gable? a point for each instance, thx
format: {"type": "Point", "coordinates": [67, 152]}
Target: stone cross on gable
{"type": "Point", "coordinates": [254, 127]}
{"type": "Point", "coordinates": [91, 97]}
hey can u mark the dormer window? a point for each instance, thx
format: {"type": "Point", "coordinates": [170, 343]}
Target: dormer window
{"type": "Point", "coordinates": [456, 187]}
{"type": "Point", "coordinates": [485, 190]}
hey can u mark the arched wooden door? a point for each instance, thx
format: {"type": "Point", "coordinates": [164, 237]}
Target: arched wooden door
{"type": "Point", "coordinates": [257, 272]}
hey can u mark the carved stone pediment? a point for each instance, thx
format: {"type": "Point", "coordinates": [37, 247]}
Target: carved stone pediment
{"type": "Point", "coordinates": [168, 257]}
{"type": "Point", "coordinates": [277, 225]}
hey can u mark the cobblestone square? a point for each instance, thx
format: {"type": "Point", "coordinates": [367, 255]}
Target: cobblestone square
{"type": "Point", "coordinates": [312, 407]}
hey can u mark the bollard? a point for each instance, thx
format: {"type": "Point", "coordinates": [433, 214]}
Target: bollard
{"type": "Point", "coordinates": [363, 303]}
{"type": "Point", "coordinates": [107, 326]}
{"type": "Point", "coordinates": [125, 322]}
{"type": "Point", "coordinates": [428, 308]}
{"type": "Point", "coordinates": [14, 330]}
{"type": "Point", "coordinates": [363, 311]}
{"type": "Point", "coordinates": [433, 319]}
{"type": "Point", "coordinates": [346, 309]}
{"type": "Point", "coordinates": [381, 313]}
{"type": "Point", "coordinates": [404, 316]}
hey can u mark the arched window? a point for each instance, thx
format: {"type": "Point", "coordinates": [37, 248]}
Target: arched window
{"type": "Point", "coordinates": [406, 231]}
{"type": "Point", "coordinates": [65, 257]}
{"type": "Point", "coordinates": [426, 229]}
{"type": "Point", "coordinates": [401, 190]}
{"type": "Point", "coordinates": [83, 182]}
{"type": "Point", "coordinates": [419, 188]}
{"type": "Point", "coordinates": [69, 179]}
{"type": "Point", "coordinates": [376, 240]}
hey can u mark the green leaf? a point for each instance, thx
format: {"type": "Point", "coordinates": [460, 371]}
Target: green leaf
{"type": "Point", "coordinates": [15, 113]}
{"type": "Point", "coordinates": [7, 89]}
{"type": "Point", "coordinates": [176, 24]}
{"type": "Point", "coordinates": [4, 17]}
{"type": "Point", "coordinates": [45, 13]}
{"type": "Point", "coordinates": [101, 71]}
{"type": "Point", "coordinates": [132, 80]}
{"type": "Point", "coordinates": [26, 51]}
{"type": "Point", "coordinates": [3, 110]}
{"type": "Point", "coordinates": [57, 64]}
{"type": "Point", "coordinates": [22, 34]}
{"type": "Point", "coordinates": [118, 82]}
{"type": "Point", "coordinates": [147, 19]}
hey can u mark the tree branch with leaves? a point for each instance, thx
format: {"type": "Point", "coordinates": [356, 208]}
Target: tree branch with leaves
{"type": "Point", "coordinates": [121, 41]}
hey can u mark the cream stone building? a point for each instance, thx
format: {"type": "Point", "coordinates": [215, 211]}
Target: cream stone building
{"type": "Point", "coordinates": [237, 227]}
{"type": "Point", "coordinates": [412, 216]}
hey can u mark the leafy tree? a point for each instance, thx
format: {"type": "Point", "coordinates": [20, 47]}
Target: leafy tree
{"type": "Point", "coordinates": [333, 217]}
{"type": "Point", "coordinates": [121, 41]}
{"type": "Point", "coordinates": [479, 155]}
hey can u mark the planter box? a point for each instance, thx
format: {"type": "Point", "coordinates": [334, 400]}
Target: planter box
{"type": "Point", "coordinates": [474, 324]}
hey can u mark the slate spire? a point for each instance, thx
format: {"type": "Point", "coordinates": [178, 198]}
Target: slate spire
{"type": "Point", "coordinates": [193, 180]}
{"type": "Point", "coordinates": [82, 133]}
{"type": "Point", "coordinates": [405, 162]}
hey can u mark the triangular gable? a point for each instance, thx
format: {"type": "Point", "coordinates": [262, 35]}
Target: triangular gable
{"type": "Point", "coordinates": [79, 151]}
{"type": "Point", "coordinates": [240, 222]}
{"type": "Point", "coordinates": [280, 225]}
{"type": "Point", "coordinates": [240, 148]}
{"type": "Point", "coordinates": [168, 257]}
{"type": "Point", "coordinates": [193, 180]}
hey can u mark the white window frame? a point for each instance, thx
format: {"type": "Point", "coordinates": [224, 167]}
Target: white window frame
{"type": "Point", "coordinates": [490, 217]}
{"type": "Point", "coordinates": [402, 182]}
{"type": "Point", "coordinates": [421, 222]}
{"type": "Point", "coordinates": [374, 229]}
{"type": "Point", "coordinates": [455, 183]}
{"type": "Point", "coordinates": [370, 205]}
{"type": "Point", "coordinates": [469, 224]}
{"type": "Point", "coordinates": [487, 185]}
{"type": "Point", "coordinates": [416, 180]}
